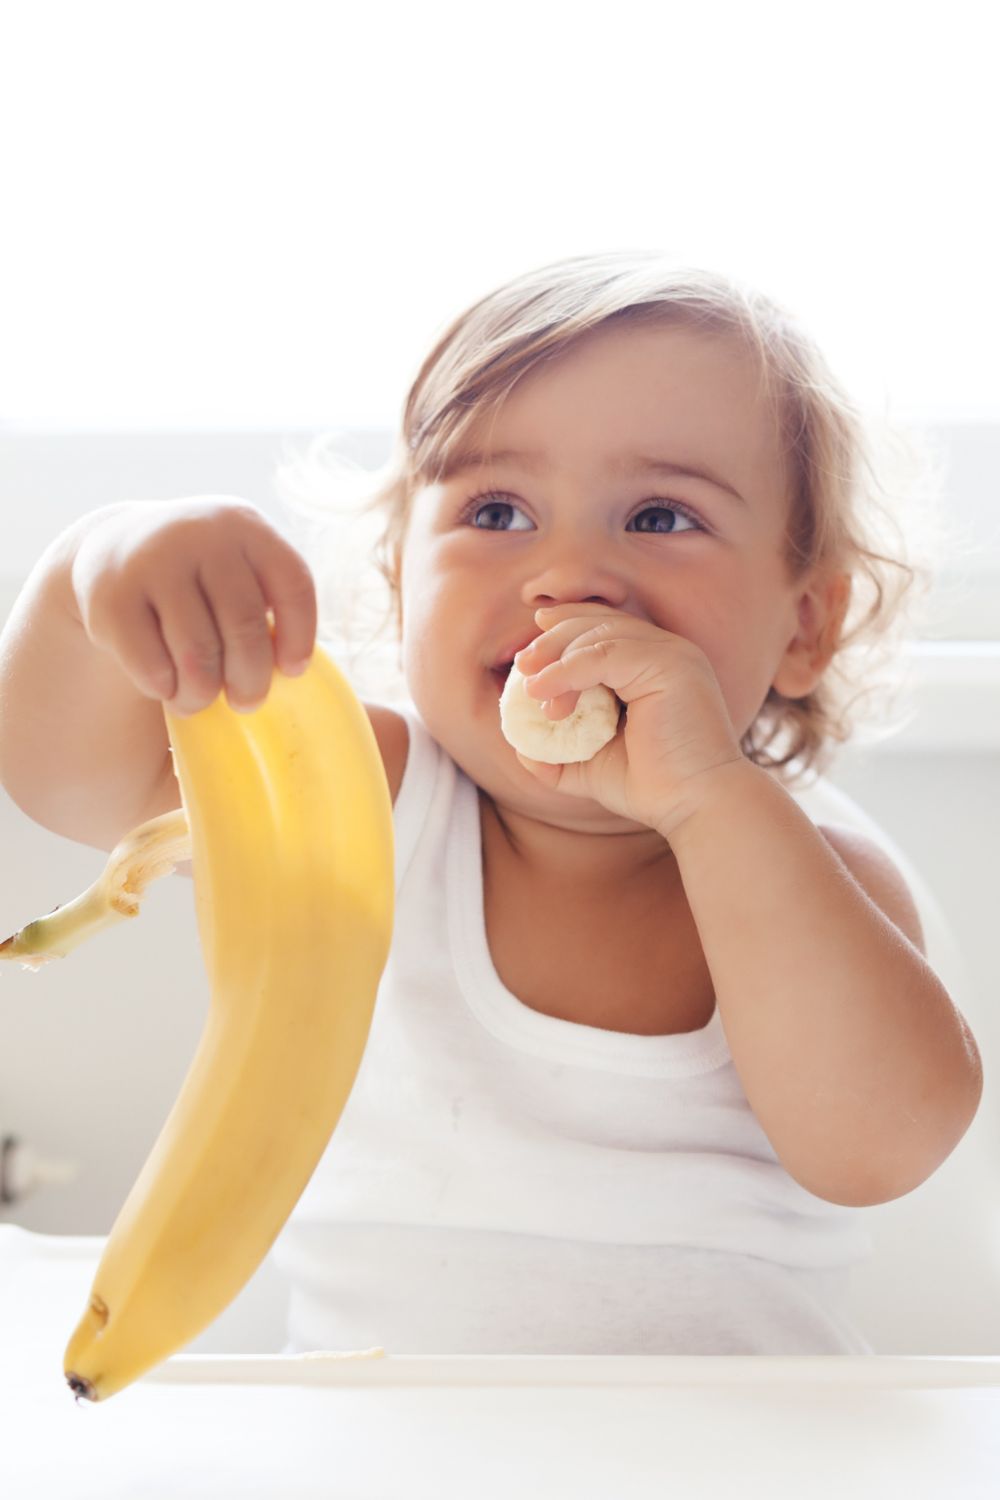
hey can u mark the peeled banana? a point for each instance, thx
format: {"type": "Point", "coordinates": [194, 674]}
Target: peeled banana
{"type": "Point", "coordinates": [291, 840]}
{"type": "Point", "coordinates": [591, 725]}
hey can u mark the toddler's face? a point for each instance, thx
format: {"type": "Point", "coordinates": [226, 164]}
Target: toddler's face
{"type": "Point", "coordinates": [698, 552]}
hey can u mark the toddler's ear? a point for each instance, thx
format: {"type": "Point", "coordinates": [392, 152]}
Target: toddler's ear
{"type": "Point", "coordinates": [821, 611]}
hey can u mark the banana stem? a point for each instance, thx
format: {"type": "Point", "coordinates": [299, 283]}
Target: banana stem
{"type": "Point", "coordinates": [153, 849]}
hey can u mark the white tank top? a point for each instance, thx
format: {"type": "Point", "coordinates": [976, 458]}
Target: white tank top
{"type": "Point", "coordinates": [505, 1182]}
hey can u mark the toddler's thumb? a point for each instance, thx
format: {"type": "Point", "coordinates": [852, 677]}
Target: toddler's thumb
{"type": "Point", "coordinates": [541, 769]}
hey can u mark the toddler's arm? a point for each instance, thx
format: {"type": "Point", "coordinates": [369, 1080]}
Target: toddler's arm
{"type": "Point", "coordinates": [136, 605]}
{"type": "Point", "coordinates": [853, 1056]}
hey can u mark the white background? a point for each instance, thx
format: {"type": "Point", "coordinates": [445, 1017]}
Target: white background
{"type": "Point", "coordinates": [235, 213]}
{"type": "Point", "coordinates": [221, 215]}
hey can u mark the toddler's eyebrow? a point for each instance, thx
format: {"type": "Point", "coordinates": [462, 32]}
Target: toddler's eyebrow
{"type": "Point", "coordinates": [628, 464]}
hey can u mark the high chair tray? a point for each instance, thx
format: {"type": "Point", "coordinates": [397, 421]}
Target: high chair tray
{"type": "Point", "coordinates": [422, 1428]}
{"type": "Point", "coordinates": [374, 1369]}
{"type": "Point", "coordinates": [401, 1427]}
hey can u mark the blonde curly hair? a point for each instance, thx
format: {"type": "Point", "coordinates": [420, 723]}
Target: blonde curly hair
{"type": "Point", "coordinates": [838, 515]}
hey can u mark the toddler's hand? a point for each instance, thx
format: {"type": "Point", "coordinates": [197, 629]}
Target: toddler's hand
{"type": "Point", "coordinates": [178, 591]}
{"type": "Point", "coordinates": [677, 725]}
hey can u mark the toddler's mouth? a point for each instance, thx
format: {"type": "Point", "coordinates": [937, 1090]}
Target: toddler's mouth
{"type": "Point", "coordinates": [500, 670]}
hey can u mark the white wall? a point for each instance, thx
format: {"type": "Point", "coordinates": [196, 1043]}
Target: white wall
{"type": "Point", "coordinates": [92, 1051]}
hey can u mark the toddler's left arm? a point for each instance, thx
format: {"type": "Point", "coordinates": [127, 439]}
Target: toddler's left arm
{"type": "Point", "coordinates": [861, 1070]}
{"type": "Point", "coordinates": [853, 1056]}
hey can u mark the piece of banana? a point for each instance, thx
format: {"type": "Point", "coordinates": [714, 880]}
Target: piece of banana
{"type": "Point", "coordinates": [292, 853]}
{"type": "Point", "coordinates": [591, 725]}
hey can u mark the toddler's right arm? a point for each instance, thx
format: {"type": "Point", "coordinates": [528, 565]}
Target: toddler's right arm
{"type": "Point", "coordinates": [135, 605]}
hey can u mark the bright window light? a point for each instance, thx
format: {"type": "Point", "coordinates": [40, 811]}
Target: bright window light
{"type": "Point", "coordinates": [228, 215]}
{"type": "Point", "coordinates": [223, 217]}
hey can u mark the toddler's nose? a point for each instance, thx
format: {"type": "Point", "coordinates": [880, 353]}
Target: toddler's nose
{"type": "Point", "coordinates": [577, 563]}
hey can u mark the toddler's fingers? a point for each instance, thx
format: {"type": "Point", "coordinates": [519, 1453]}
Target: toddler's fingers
{"type": "Point", "coordinates": [287, 585]}
{"type": "Point", "coordinates": [561, 706]}
{"type": "Point", "coordinates": [234, 595]}
{"type": "Point", "coordinates": [143, 653]}
{"type": "Point", "coordinates": [189, 629]}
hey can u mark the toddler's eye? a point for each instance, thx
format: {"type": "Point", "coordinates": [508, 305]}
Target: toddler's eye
{"type": "Point", "coordinates": [667, 519]}
{"type": "Point", "coordinates": [490, 505]}
{"type": "Point", "coordinates": [676, 515]}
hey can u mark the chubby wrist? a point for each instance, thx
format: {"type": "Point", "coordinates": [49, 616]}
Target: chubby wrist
{"type": "Point", "coordinates": [707, 796]}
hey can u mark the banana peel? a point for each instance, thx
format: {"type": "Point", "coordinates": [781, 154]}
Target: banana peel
{"type": "Point", "coordinates": [145, 854]}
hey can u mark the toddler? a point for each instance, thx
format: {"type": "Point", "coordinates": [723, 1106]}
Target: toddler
{"type": "Point", "coordinates": [649, 1037]}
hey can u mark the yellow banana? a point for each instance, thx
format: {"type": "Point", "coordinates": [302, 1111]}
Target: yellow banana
{"type": "Point", "coordinates": [292, 852]}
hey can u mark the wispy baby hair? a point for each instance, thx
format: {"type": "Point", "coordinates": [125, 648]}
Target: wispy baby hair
{"type": "Point", "coordinates": [838, 517]}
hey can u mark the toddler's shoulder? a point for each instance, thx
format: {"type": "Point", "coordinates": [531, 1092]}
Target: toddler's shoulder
{"type": "Point", "coordinates": [393, 737]}
{"type": "Point", "coordinates": [878, 876]}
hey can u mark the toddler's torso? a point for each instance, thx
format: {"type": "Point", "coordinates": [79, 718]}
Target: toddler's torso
{"type": "Point", "coordinates": [505, 1179]}
{"type": "Point", "coordinates": [597, 960]}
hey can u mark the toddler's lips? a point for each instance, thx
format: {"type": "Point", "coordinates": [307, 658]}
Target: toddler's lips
{"type": "Point", "coordinates": [500, 669]}
{"type": "Point", "coordinates": [500, 675]}
{"type": "Point", "coordinates": [502, 663]}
